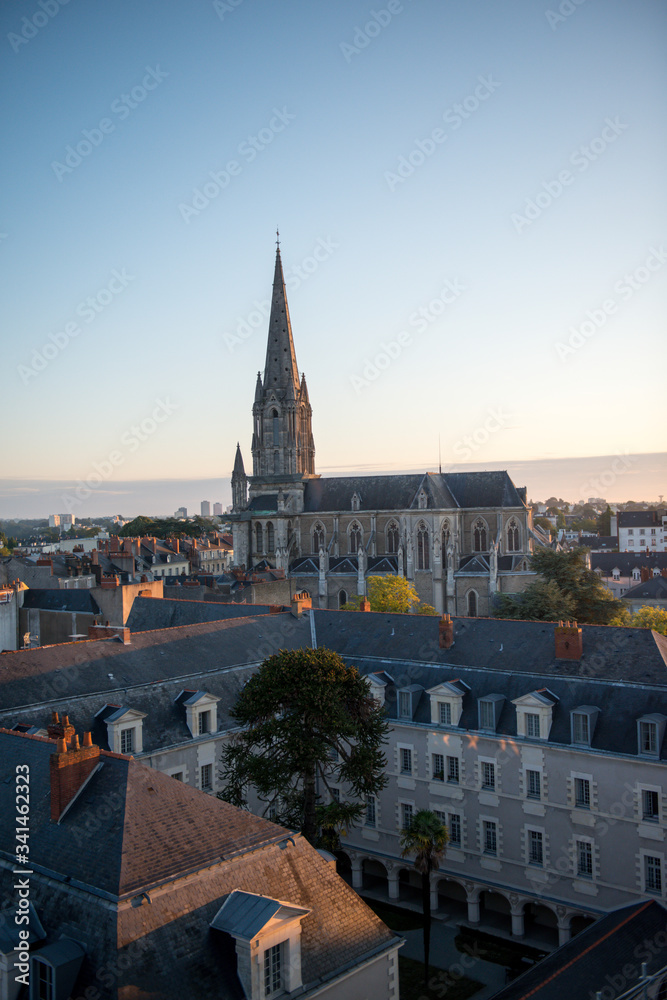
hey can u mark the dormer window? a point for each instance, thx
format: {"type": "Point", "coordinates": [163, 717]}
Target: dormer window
{"type": "Point", "coordinates": [356, 501]}
{"type": "Point", "coordinates": [582, 724]}
{"type": "Point", "coordinates": [447, 702]}
{"type": "Point", "coordinates": [124, 728]}
{"type": "Point", "coordinates": [650, 733]}
{"type": "Point", "coordinates": [204, 722]}
{"type": "Point", "coordinates": [422, 500]}
{"type": "Point", "coordinates": [445, 713]}
{"type": "Point", "coordinates": [408, 699]}
{"type": "Point", "coordinates": [201, 711]}
{"type": "Point", "coordinates": [489, 709]}
{"type": "Point", "coordinates": [534, 714]}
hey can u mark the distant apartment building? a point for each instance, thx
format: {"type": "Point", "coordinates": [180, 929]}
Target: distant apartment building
{"type": "Point", "coordinates": [181, 512]}
{"type": "Point", "coordinates": [54, 520]}
{"type": "Point", "coordinates": [217, 509]}
{"type": "Point", "coordinates": [206, 508]}
{"type": "Point", "coordinates": [61, 520]}
{"type": "Point", "coordinates": [642, 529]}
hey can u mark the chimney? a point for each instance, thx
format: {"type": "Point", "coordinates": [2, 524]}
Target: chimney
{"type": "Point", "coordinates": [364, 604]}
{"type": "Point", "coordinates": [569, 641]}
{"type": "Point", "coordinates": [58, 730]}
{"type": "Point", "coordinates": [176, 545]}
{"type": "Point", "coordinates": [445, 632]}
{"type": "Point", "coordinates": [70, 768]}
{"type": "Point", "coordinates": [300, 603]}
{"type": "Point", "coordinates": [644, 574]}
{"type": "Point", "coordinates": [107, 631]}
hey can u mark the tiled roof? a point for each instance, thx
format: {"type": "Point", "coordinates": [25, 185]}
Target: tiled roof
{"type": "Point", "coordinates": [597, 957]}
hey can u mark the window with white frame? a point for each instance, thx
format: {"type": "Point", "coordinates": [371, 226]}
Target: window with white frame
{"type": "Point", "coordinates": [445, 713]}
{"type": "Point", "coordinates": [652, 873]}
{"type": "Point", "coordinates": [43, 981]}
{"type": "Point", "coordinates": [127, 741]}
{"type": "Point", "coordinates": [405, 759]}
{"type": "Point", "coordinates": [404, 705]}
{"type": "Point", "coordinates": [486, 715]}
{"type": "Point", "coordinates": [273, 971]}
{"type": "Point", "coordinates": [370, 810]}
{"type": "Point", "coordinates": [438, 767]}
{"type": "Point", "coordinates": [532, 725]}
{"type": "Point", "coordinates": [204, 722]}
{"type": "Point", "coordinates": [648, 738]}
{"type": "Point", "coordinates": [584, 858]}
{"type": "Point", "coordinates": [454, 827]}
{"type": "Point", "coordinates": [533, 784]}
{"type": "Point", "coordinates": [535, 847]}
{"type": "Point", "coordinates": [580, 728]}
{"type": "Point", "coordinates": [407, 811]}
{"type": "Point", "coordinates": [453, 770]}
{"type": "Point", "coordinates": [488, 775]}
{"type": "Point", "coordinates": [582, 793]}
{"type": "Point", "coordinates": [650, 805]}
{"type": "Point", "coordinates": [490, 836]}
{"type": "Point", "coordinates": [206, 777]}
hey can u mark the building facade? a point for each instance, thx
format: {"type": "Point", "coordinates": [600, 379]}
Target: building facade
{"type": "Point", "coordinates": [459, 538]}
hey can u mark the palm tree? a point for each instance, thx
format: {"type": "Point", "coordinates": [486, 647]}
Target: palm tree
{"type": "Point", "coordinates": [425, 836]}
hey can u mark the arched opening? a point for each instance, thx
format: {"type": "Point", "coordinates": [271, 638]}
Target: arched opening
{"type": "Point", "coordinates": [275, 428]}
{"type": "Point", "coordinates": [259, 540]}
{"type": "Point", "coordinates": [374, 876]}
{"type": "Point", "coordinates": [318, 538]}
{"type": "Point", "coordinates": [446, 535]}
{"type": "Point", "coordinates": [392, 538]}
{"type": "Point", "coordinates": [472, 604]}
{"type": "Point", "coordinates": [342, 598]}
{"type": "Point", "coordinates": [270, 539]}
{"type": "Point", "coordinates": [409, 885]}
{"type": "Point", "coordinates": [479, 536]}
{"type": "Point", "coordinates": [513, 536]}
{"type": "Point", "coordinates": [354, 538]}
{"type": "Point", "coordinates": [423, 560]}
{"type": "Point", "coordinates": [579, 923]}
{"type": "Point", "coordinates": [495, 911]}
{"type": "Point", "coordinates": [452, 899]}
{"type": "Point", "coordinates": [541, 924]}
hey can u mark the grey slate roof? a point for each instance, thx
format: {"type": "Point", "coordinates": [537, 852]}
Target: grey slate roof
{"type": "Point", "coordinates": [246, 913]}
{"type": "Point", "coordinates": [267, 503]}
{"type": "Point", "coordinates": [654, 589]}
{"type": "Point", "coordinates": [148, 613]}
{"type": "Point", "coordinates": [627, 561]}
{"type": "Point", "coordinates": [81, 601]}
{"type": "Point", "coordinates": [638, 519]}
{"type": "Point", "coordinates": [600, 955]}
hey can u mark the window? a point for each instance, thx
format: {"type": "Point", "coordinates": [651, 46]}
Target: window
{"type": "Point", "coordinates": [204, 723]}
{"type": "Point", "coordinates": [533, 725]}
{"type": "Point", "coordinates": [472, 604]}
{"type": "Point", "coordinates": [259, 541]}
{"type": "Point", "coordinates": [631, 531]}
{"type": "Point", "coordinates": [479, 536]}
{"type": "Point", "coordinates": [486, 715]}
{"type": "Point", "coordinates": [488, 775]}
{"type": "Point", "coordinates": [342, 598]}
{"type": "Point", "coordinates": [356, 501]}
{"type": "Point", "coordinates": [512, 536]}
{"type": "Point", "coordinates": [582, 793]}
{"type": "Point", "coordinates": [270, 543]}
{"type": "Point", "coordinates": [652, 873]}
{"type": "Point", "coordinates": [178, 776]}
{"type": "Point", "coordinates": [354, 538]}
{"type": "Point", "coordinates": [370, 810]}
{"type": "Point", "coordinates": [392, 539]}
{"type": "Point", "coordinates": [535, 848]}
{"type": "Point", "coordinates": [453, 770]}
{"type": "Point", "coordinates": [318, 538]}
{"type": "Point", "coordinates": [44, 984]}
{"type": "Point", "coordinates": [273, 970]}
{"type": "Point", "coordinates": [404, 706]}
{"type": "Point", "coordinates": [206, 777]}
{"type": "Point", "coordinates": [584, 852]}
{"type": "Point", "coordinates": [580, 728]}
{"type": "Point", "coordinates": [455, 829]}
{"type": "Point", "coordinates": [127, 741]}
{"type": "Point", "coordinates": [648, 738]}
{"type": "Point", "coordinates": [533, 785]}
{"type": "Point", "coordinates": [650, 806]}
{"type": "Point", "coordinates": [445, 713]}
{"type": "Point", "coordinates": [446, 536]}
{"type": "Point", "coordinates": [422, 547]}
{"type": "Point", "coordinates": [438, 767]}
{"type": "Point", "coordinates": [490, 837]}
{"type": "Point", "coordinates": [335, 794]}
{"type": "Point", "coordinates": [406, 814]}
{"type": "Point", "coordinates": [406, 760]}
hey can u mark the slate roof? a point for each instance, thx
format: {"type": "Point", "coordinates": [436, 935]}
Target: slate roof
{"type": "Point", "coordinates": [268, 502]}
{"type": "Point", "coordinates": [599, 542]}
{"type": "Point", "coordinates": [445, 491]}
{"type": "Point", "coordinates": [148, 613]}
{"type": "Point", "coordinates": [627, 561]}
{"type": "Point", "coordinates": [638, 519]}
{"type": "Point", "coordinates": [654, 589]}
{"type": "Point", "coordinates": [600, 955]}
{"type": "Point", "coordinates": [81, 601]}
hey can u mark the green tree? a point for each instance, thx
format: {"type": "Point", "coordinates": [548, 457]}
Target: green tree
{"type": "Point", "coordinates": [568, 589]}
{"type": "Point", "coordinates": [645, 617]}
{"type": "Point", "coordinates": [392, 595]}
{"type": "Point", "coordinates": [309, 721]}
{"type": "Point", "coordinates": [604, 522]}
{"type": "Point", "coordinates": [425, 837]}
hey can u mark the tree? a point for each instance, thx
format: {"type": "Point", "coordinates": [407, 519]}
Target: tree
{"type": "Point", "coordinates": [426, 837]}
{"type": "Point", "coordinates": [568, 589]}
{"type": "Point", "coordinates": [310, 722]}
{"type": "Point", "coordinates": [645, 617]}
{"type": "Point", "coordinates": [392, 595]}
{"type": "Point", "coordinates": [604, 522]}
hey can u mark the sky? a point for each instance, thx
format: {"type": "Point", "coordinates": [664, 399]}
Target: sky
{"type": "Point", "coordinates": [472, 216]}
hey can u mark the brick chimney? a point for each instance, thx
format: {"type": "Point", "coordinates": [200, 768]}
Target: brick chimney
{"type": "Point", "coordinates": [445, 632]}
{"type": "Point", "coordinates": [300, 603]}
{"type": "Point", "coordinates": [364, 604]}
{"type": "Point", "coordinates": [569, 641]}
{"type": "Point", "coordinates": [644, 574]}
{"type": "Point", "coordinates": [70, 767]}
{"type": "Point", "coordinates": [58, 730]}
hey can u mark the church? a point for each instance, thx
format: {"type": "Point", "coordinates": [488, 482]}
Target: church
{"type": "Point", "coordinates": [458, 537]}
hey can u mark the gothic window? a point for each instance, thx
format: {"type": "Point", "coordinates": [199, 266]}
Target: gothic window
{"type": "Point", "coordinates": [422, 546]}
{"type": "Point", "coordinates": [290, 533]}
{"type": "Point", "coordinates": [270, 544]}
{"type": "Point", "coordinates": [275, 424]}
{"type": "Point", "coordinates": [513, 536]}
{"type": "Point", "coordinates": [472, 604]}
{"type": "Point", "coordinates": [276, 463]}
{"type": "Point", "coordinates": [342, 598]}
{"type": "Point", "coordinates": [479, 536]}
{"type": "Point", "coordinates": [422, 500]}
{"type": "Point", "coordinates": [392, 538]}
{"type": "Point", "coordinates": [259, 543]}
{"type": "Point", "coordinates": [356, 501]}
{"type": "Point", "coordinates": [355, 537]}
{"type": "Point", "coordinates": [446, 535]}
{"type": "Point", "coordinates": [318, 538]}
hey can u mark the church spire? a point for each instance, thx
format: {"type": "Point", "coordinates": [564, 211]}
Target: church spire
{"type": "Point", "coordinates": [281, 368]}
{"type": "Point", "coordinates": [239, 482]}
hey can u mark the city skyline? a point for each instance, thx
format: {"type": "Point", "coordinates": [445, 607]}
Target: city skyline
{"type": "Point", "coordinates": [472, 221]}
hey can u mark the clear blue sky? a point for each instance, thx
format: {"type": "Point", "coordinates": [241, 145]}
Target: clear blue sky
{"type": "Point", "coordinates": [317, 104]}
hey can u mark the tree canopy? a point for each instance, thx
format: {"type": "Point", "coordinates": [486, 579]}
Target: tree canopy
{"type": "Point", "coordinates": [567, 589]}
{"type": "Point", "coordinates": [645, 617]}
{"type": "Point", "coordinates": [167, 527]}
{"type": "Point", "coordinates": [310, 723]}
{"type": "Point", "coordinates": [426, 837]}
{"type": "Point", "coordinates": [391, 594]}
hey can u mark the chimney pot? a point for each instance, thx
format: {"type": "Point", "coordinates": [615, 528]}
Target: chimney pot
{"type": "Point", "coordinates": [75, 742]}
{"type": "Point", "coordinates": [61, 745]}
{"type": "Point", "coordinates": [87, 740]}
{"type": "Point", "coordinates": [445, 632]}
{"type": "Point", "coordinates": [54, 718]}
